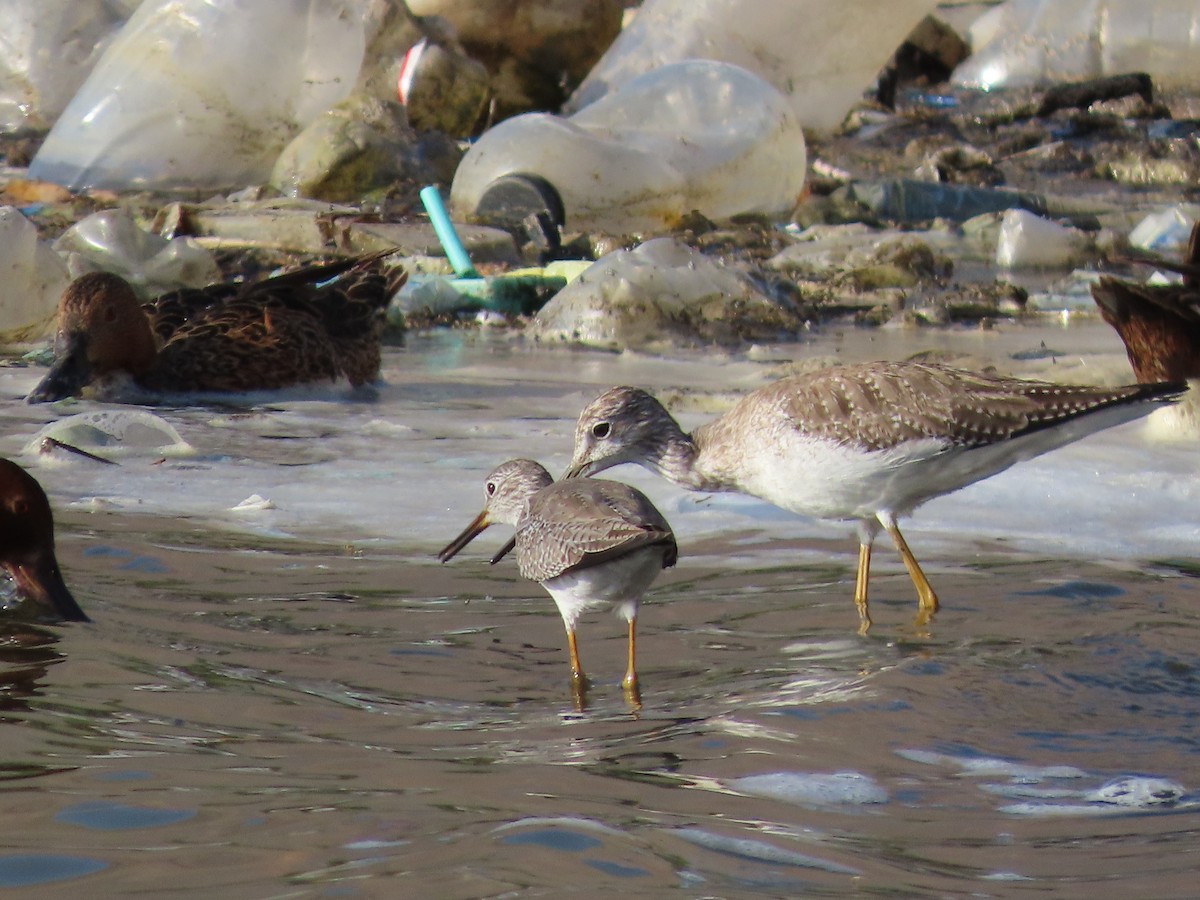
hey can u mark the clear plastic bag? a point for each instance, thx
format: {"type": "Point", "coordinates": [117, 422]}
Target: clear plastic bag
{"type": "Point", "coordinates": [47, 48]}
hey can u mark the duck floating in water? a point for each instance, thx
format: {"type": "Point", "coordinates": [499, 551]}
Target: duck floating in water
{"type": "Point", "coordinates": [314, 324]}
{"type": "Point", "coordinates": [27, 543]}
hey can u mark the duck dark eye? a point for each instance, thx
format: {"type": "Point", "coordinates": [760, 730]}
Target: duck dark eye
{"type": "Point", "coordinates": [601, 429]}
{"type": "Point", "coordinates": [491, 488]}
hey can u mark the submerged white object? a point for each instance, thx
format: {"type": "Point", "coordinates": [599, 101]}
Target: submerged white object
{"type": "Point", "coordinates": [32, 278]}
{"type": "Point", "coordinates": [1027, 43]}
{"type": "Point", "coordinates": [117, 432]}
{"type": "Point", "coordinates": [191, 94]}
{"type": "Point", "coordinates": [695, 135]}
{"type": "Point", "coordinates": [821, 55]}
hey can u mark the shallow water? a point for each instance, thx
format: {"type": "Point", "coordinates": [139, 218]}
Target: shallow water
{"type": "Point", "coordinates": [294, 699]}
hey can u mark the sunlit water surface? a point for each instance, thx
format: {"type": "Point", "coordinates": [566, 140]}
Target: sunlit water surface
{"type": "Point", "coordinates": [283, 694]}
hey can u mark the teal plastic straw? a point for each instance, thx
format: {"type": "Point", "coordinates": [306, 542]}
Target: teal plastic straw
{"type": "Point", "coordinates": [444, 228]}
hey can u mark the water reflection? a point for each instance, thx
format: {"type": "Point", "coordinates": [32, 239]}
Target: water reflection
{"type": "Point", "coordinates": [298, 700]}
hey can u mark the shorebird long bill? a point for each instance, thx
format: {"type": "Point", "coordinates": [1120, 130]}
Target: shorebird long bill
{"type": "Point", "coordinates": [472, 531]}
{"type": "Point", "coordinates": [508, 548]}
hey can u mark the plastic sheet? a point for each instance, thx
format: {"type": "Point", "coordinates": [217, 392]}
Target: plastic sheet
{"type": "Point", "coordinates": [1029, 43]}
{"type": "Point", "coordinates": [819, 54]}
{"type": "Point", "coordinates": [204, 93]}
{"type": "Point", "coordinates": [34, 277]}
{"type": "Point", "coordinates": [47, 49]}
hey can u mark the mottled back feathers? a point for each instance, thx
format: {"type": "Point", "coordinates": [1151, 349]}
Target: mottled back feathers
{"type": "Point", "coordinates": [880, 405]}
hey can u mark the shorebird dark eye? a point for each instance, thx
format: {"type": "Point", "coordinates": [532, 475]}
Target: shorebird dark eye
{"type": "Point", "coordinates": [491, 488]}
{"type": "Point", "coordinates": [601, 429]}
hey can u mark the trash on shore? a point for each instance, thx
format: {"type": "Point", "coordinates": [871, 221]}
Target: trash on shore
{"type": "Point", "coordinates": [930, 203]}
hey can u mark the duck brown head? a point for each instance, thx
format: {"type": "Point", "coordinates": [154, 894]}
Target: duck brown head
{"type": "Point", "coordinates": [102, 331]}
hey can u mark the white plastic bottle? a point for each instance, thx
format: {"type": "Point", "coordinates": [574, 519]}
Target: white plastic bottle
{"type": "Point", "coordinates": [695, 135]}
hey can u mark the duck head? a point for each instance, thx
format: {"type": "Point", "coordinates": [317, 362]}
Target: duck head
{"type": "Point", "coordinates": [27, 543]}
{"type": "Point", "coordinates": [102, 331]}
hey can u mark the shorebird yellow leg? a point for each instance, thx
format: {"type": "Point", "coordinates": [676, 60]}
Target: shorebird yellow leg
{"type": "Point", "coordinates": [860, 587]}
{"type": "Point", "coordinates": [633, 694]}
{"type": "Point", "coordinates": [927, 600]}
{"type": "Point", "coordinates": [579, 681]}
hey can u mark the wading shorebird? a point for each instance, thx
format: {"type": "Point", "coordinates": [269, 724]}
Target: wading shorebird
{"type": "Point", "coordinates": [313, 324]}
{"type": "Point", "coordinates": [588, 542]}
{"type": "Point", "coordinates": [868, 442]}
{"type": "Point", "coordinates": [27, 544]}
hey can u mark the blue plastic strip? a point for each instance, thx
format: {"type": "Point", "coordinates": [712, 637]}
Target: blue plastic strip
{"type": "Point", "coordinates": [444, 228]}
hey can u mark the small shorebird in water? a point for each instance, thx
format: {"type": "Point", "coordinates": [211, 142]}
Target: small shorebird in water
{"type": "Point", "coordinates": [868, 442]}
{"type": "Point", "coordinates": [588, 542]}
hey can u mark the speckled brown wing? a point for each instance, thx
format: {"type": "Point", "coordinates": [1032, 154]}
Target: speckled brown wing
{"type": "Point", "coordinates": [574, 524]}
{"type": "Point", "coordinates": [354, 312]}
{"type": "Point", "coordinates": [310, 324]}
{"type": "Point", "coordinates": [169, 312]}
{"type": "Point", "coordinates": [882, 404]}
{"type": "Point", "coordinates": [245, 345]}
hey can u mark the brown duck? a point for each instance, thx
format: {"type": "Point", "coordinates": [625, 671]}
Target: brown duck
{"type": "Point", "coordinates": [314, 324]}
{"type": "Point", "coordinates": [1159, 324]}
{"type": "Point", "coordinates": [27, 544]}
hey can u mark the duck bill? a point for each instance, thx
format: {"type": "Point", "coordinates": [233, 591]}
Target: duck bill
{"type": "Point", "coordinates": [68, 374]}
{"type": "Point", "coordinates": [472, 531]}
{"type": "Point", "coordinates": [41, 582]}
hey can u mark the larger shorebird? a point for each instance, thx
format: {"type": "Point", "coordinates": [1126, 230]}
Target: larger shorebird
{"type": "Point", "coordinates": [868, 443]}
{"type": "Point", "coordinates": [588, 542]}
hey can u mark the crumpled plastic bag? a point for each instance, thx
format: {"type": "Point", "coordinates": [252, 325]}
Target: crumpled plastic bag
{"type": "Point", "coordinates": [660, 292]}
{"type": "Point", "coordinates": [47, 49]}
{"type": "Point", "coordinates": [204, 93]}
{"type": "Point", "coordinates": [1031, 43]}
{"type": "Point", "coordinates": [111, 241]}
